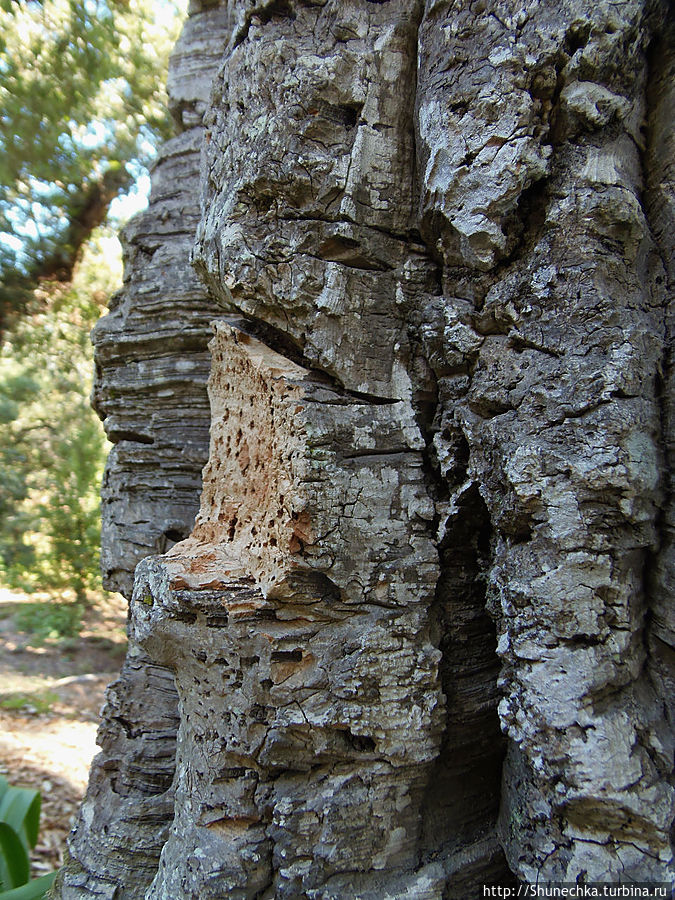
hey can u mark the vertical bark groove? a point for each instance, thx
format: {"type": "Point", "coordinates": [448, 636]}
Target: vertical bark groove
{"type": "Point", "coordinates": [418, 639]}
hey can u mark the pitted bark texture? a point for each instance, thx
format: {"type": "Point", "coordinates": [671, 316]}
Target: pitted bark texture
{"type": "Point", "coordinates": [300, 473]}
{"type": "Point", "coordinates": [420, 638]}
{"type": "Point", "coordinates": [554, 398]}
{"type": "Point", "coordinates": [315, 771]}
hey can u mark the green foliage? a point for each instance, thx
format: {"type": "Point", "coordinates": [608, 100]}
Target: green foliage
{"type": "Point", "coordinates": [20, 809]}
{"type": "Point", "coordinates": [52, 445]}
{"type": "Point", "coordinates": [34, 890]}
{"type": "Point", "coordinates": [50, 620]}
{"type": "Point", "coordinates": [19, 822]}
{"type": "Point", "coordinates": [35, 702]}
{"type": "Point", "coordinates": [82, 111]}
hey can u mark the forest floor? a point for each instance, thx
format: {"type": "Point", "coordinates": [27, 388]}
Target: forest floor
{"type": "Point", "coordinates": [51, 693]}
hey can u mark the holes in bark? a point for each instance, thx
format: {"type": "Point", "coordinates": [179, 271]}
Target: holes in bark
{"type": "Point", "coordinates": [258, 713]}
{"type": "Point", "coordinates": [344, 114]}
{"type": "Point", "coordinates": [528, 217]}
{"type": "Point", "coordinates": [314, 586]}
{"type": "Point", "coordinates": [232, 529]}
{"type": "Point", "coordinates": [577, 37]}
{"type": "Point", "coordinates": [348, 252]}
{"type": "Point", "coordinates": [521, 531]}
{"type": "Point", "coordinates": [168, 538]}
{"type": "Point", "coordinates": [359, 742]}
{"type": "Point", "coordinates": [281, 9]}
{"type": "Point", "coordinates": [187, 618]}
{"type": "Point", "coordinates": [285, 656]}
{"type": "Point", "coordinates": [349, 115]}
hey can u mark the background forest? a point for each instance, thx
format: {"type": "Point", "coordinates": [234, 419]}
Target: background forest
{"type": "Point", "coordinates": [82, 112]}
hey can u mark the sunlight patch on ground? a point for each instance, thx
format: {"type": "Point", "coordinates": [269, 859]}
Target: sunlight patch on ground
{"type": "Point", "coordinates": [61, 748]}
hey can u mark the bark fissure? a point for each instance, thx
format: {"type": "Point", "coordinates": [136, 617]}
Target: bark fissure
{"type": "Point", "coordinates": [433, 479]}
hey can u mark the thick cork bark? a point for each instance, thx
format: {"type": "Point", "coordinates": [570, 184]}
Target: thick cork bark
{"type": "Point", "coordinates": [420, 638]}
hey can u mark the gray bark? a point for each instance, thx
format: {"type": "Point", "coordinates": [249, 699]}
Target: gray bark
{"type": "Point", "coordinates": [420, 637]}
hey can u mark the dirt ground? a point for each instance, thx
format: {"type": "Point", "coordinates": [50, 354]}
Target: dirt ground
{"type": "Point", "coordinates": [51, 692]}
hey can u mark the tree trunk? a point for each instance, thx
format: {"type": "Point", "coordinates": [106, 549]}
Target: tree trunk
{"type": "Point", "coordinates": [418, 640]}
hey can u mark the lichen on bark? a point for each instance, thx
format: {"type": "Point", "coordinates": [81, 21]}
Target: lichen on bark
{"type": "Point", "coordinates": [419, 638]}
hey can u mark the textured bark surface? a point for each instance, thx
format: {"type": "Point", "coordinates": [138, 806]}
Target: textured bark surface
{"type": "Point", "coordinates": [151, 354]}
{"type": "Point", "coordinates": [421, 635]}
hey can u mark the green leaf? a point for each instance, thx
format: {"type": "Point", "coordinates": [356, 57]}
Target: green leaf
{"type": "Point", "coordinates": [80, 98]}
{"type": "Point", "coordinates": [14, 862]}
{"type": "Point", "coordinates": [34, 890]}
{"type": "Point", "coordinates": [20, 809]}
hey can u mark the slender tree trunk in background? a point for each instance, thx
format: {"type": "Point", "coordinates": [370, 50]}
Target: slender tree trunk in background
{"type": "Point", "coordinates": [419, 638]}
{"type": "Point", "coordinates": [56, 268]}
